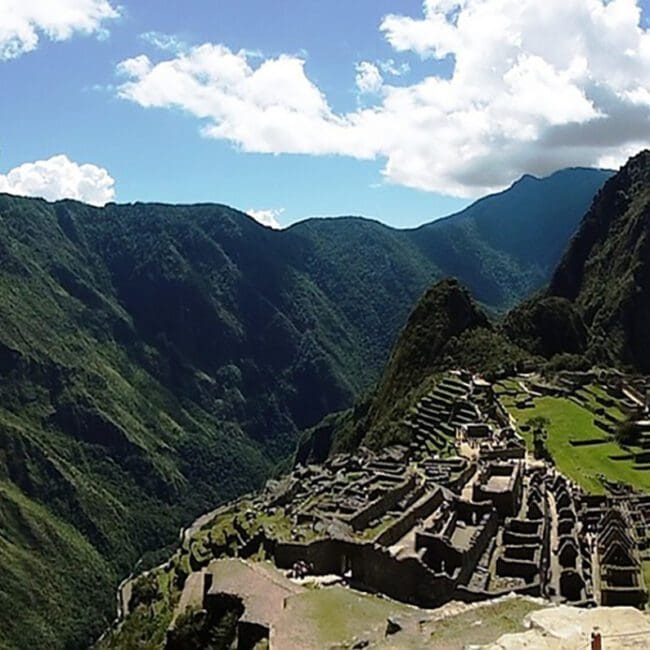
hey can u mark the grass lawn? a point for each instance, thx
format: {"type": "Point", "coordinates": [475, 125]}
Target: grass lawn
{"type": "Point", "coordinates": [333, 617]}
{"type": "Point", "coordinates": [592, 392]}
{"type": "Point", "coordinates": [481, 625]}
{"type": "Point", "coordinates": [582, 464]}
{"type": "Point", "coordinates": [322, 618]}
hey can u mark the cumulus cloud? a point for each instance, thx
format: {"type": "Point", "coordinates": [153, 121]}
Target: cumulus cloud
{"type": "Point", "coordinates": [534, 86]}
{"type": "Point", "coordinates": [369, 80]}
{"type": "Point", "coordinates": [23, 22]}
{"type": "Point", "coordinates": [271, 108]}
{"type": "Point", "coordinates": [60, 178]}
{"type": "Point", "coordinates": [434, 36]}
{"type": "Point", "coordinates": [268, 218]}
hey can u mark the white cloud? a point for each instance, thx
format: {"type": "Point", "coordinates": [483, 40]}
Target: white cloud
{"type": "Point", "coordinates": [167, 42]}
{"type": "Point", "coordinates": [23, 22]}
{"type": "Point", "coordinates": [268, 218]}
{"type": "Point", "coordinates": [534, 86]}
{"type": "Point", "coordinates": [369, 80]}
{"type": "Point", "coordinates": [60, 178]}
{"type": "Point", "coordinates": [389, 66]}
{"type": "Point", "coordinates": [273, 108]}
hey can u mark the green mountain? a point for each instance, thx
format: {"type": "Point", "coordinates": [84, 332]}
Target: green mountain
{"type": "Point", "coordinates": [506, 245]}
{"type": "Point", "coordinates": [598, 302]}
{"type": "Point", "coordinates": [157, 360]}
{"type": "Point", "coordinates": [446, 329]}
{"type": "Point", "coordinates": [596, 309]}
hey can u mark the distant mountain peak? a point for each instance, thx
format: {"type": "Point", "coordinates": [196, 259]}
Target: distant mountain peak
{"type": "Point", "coordinates": [527, 178]}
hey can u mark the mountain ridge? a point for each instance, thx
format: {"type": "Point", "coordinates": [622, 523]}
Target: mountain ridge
{"type": "Point", "coordinates": [157, 360]}
{"type": "Point", "coordinates": [602, 282]}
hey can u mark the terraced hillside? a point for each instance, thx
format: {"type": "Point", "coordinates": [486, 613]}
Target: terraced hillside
{"type": "Point", "coordinates": [481, 525]}
{"type": "Point", "coordinates": [436, 416]}
{"type": "Point", "coordinates": [156, 360]}
{"type": "Point", "coordinates": [583, 425]}
{"type": "Point", "coordinates": [447, 329]}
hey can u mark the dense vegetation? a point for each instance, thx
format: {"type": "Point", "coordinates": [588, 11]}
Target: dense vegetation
{"type": "Point", "coordinates": [595, 311]}
{"type": "Point", "coordinates": [598, 301]}
{"type": "Point", "coordinates": [493, 248]}
{"type": "Point", "coordinates": [157, 360]}
{"type": "Point", "coordinates": [547, 326]}
{"type": "Point", "coordinates": [447, 329]}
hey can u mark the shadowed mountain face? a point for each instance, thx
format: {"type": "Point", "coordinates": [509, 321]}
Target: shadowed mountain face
{"type": "Point", "coordinates": [598, 300]}
{"type": "Point", "coordinates": [445, 330]}
{"type": "Point", "coordinates": [606, 270]}
{"type": "Point", "coordinates": [505, 246]}
{"type": "Point", "coordinates": [156, 360]}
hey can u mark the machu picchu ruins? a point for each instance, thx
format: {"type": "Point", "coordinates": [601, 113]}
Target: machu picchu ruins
{"type": "Point", "coordinates": [474, 510]}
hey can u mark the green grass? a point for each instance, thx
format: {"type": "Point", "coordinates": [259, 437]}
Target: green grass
{"type": "Point", "coordinates": [591, 392]}
{"type": "Point", "coordinates": [482, 625]}
{"type": "Point", "coordinates": [335, 615]}
{"type": "Point", "coordinates": [582, 464]}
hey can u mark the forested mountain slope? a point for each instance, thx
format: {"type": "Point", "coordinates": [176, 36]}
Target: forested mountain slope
{"type": "Point", "coordinates": [597, 305]}
{"type": "Point", "coordinates": [507, 245]}
{"type": "Point", "coordinates": [156, 360]}
{"type": "Point", "coordinates": [446, 330]}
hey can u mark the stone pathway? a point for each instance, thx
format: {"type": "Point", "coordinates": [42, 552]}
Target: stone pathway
{"type": "Point", "coordinates": [554, 567]}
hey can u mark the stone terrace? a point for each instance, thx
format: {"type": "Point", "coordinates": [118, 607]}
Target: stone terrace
{"type": "Point", "coordinates": [462, 513]}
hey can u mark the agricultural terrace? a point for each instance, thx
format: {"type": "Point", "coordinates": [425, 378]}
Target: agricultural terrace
{"type": "Point", "coordinates": [580, 435]}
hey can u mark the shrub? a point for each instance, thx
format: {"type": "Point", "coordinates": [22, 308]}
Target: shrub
{"type": "Point", "coordinates": [627, 433]}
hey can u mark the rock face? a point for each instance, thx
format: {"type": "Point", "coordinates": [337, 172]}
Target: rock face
{"type": "Point", "coordinates": [570, 628]}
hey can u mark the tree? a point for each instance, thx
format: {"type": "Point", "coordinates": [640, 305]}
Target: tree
{"type": "Point", "coordinates": [539, 427]}
{"type": "Point", "coordinates": [144, 591]}
{"type": "Point", "coordinates": [627, 433]}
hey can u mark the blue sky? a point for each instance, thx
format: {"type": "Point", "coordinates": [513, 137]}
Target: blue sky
{"type": "Point", "coordinates": [66, 96]}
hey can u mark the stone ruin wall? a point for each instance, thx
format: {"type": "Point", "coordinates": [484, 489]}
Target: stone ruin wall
{"type": "Point", "coordinates": [325, 555]}
{"type": "Point", "coordinates": [409, 519]}
{"type": "Point", "coordinates": [380, 506]}
{"type": "Point", "coordinates": [373, 568]}
{"type": "Point", "coordinates": [468, 595]}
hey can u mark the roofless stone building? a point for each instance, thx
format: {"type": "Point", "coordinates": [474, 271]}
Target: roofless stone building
{"type": "Point", "coordinates": [424, 529]}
